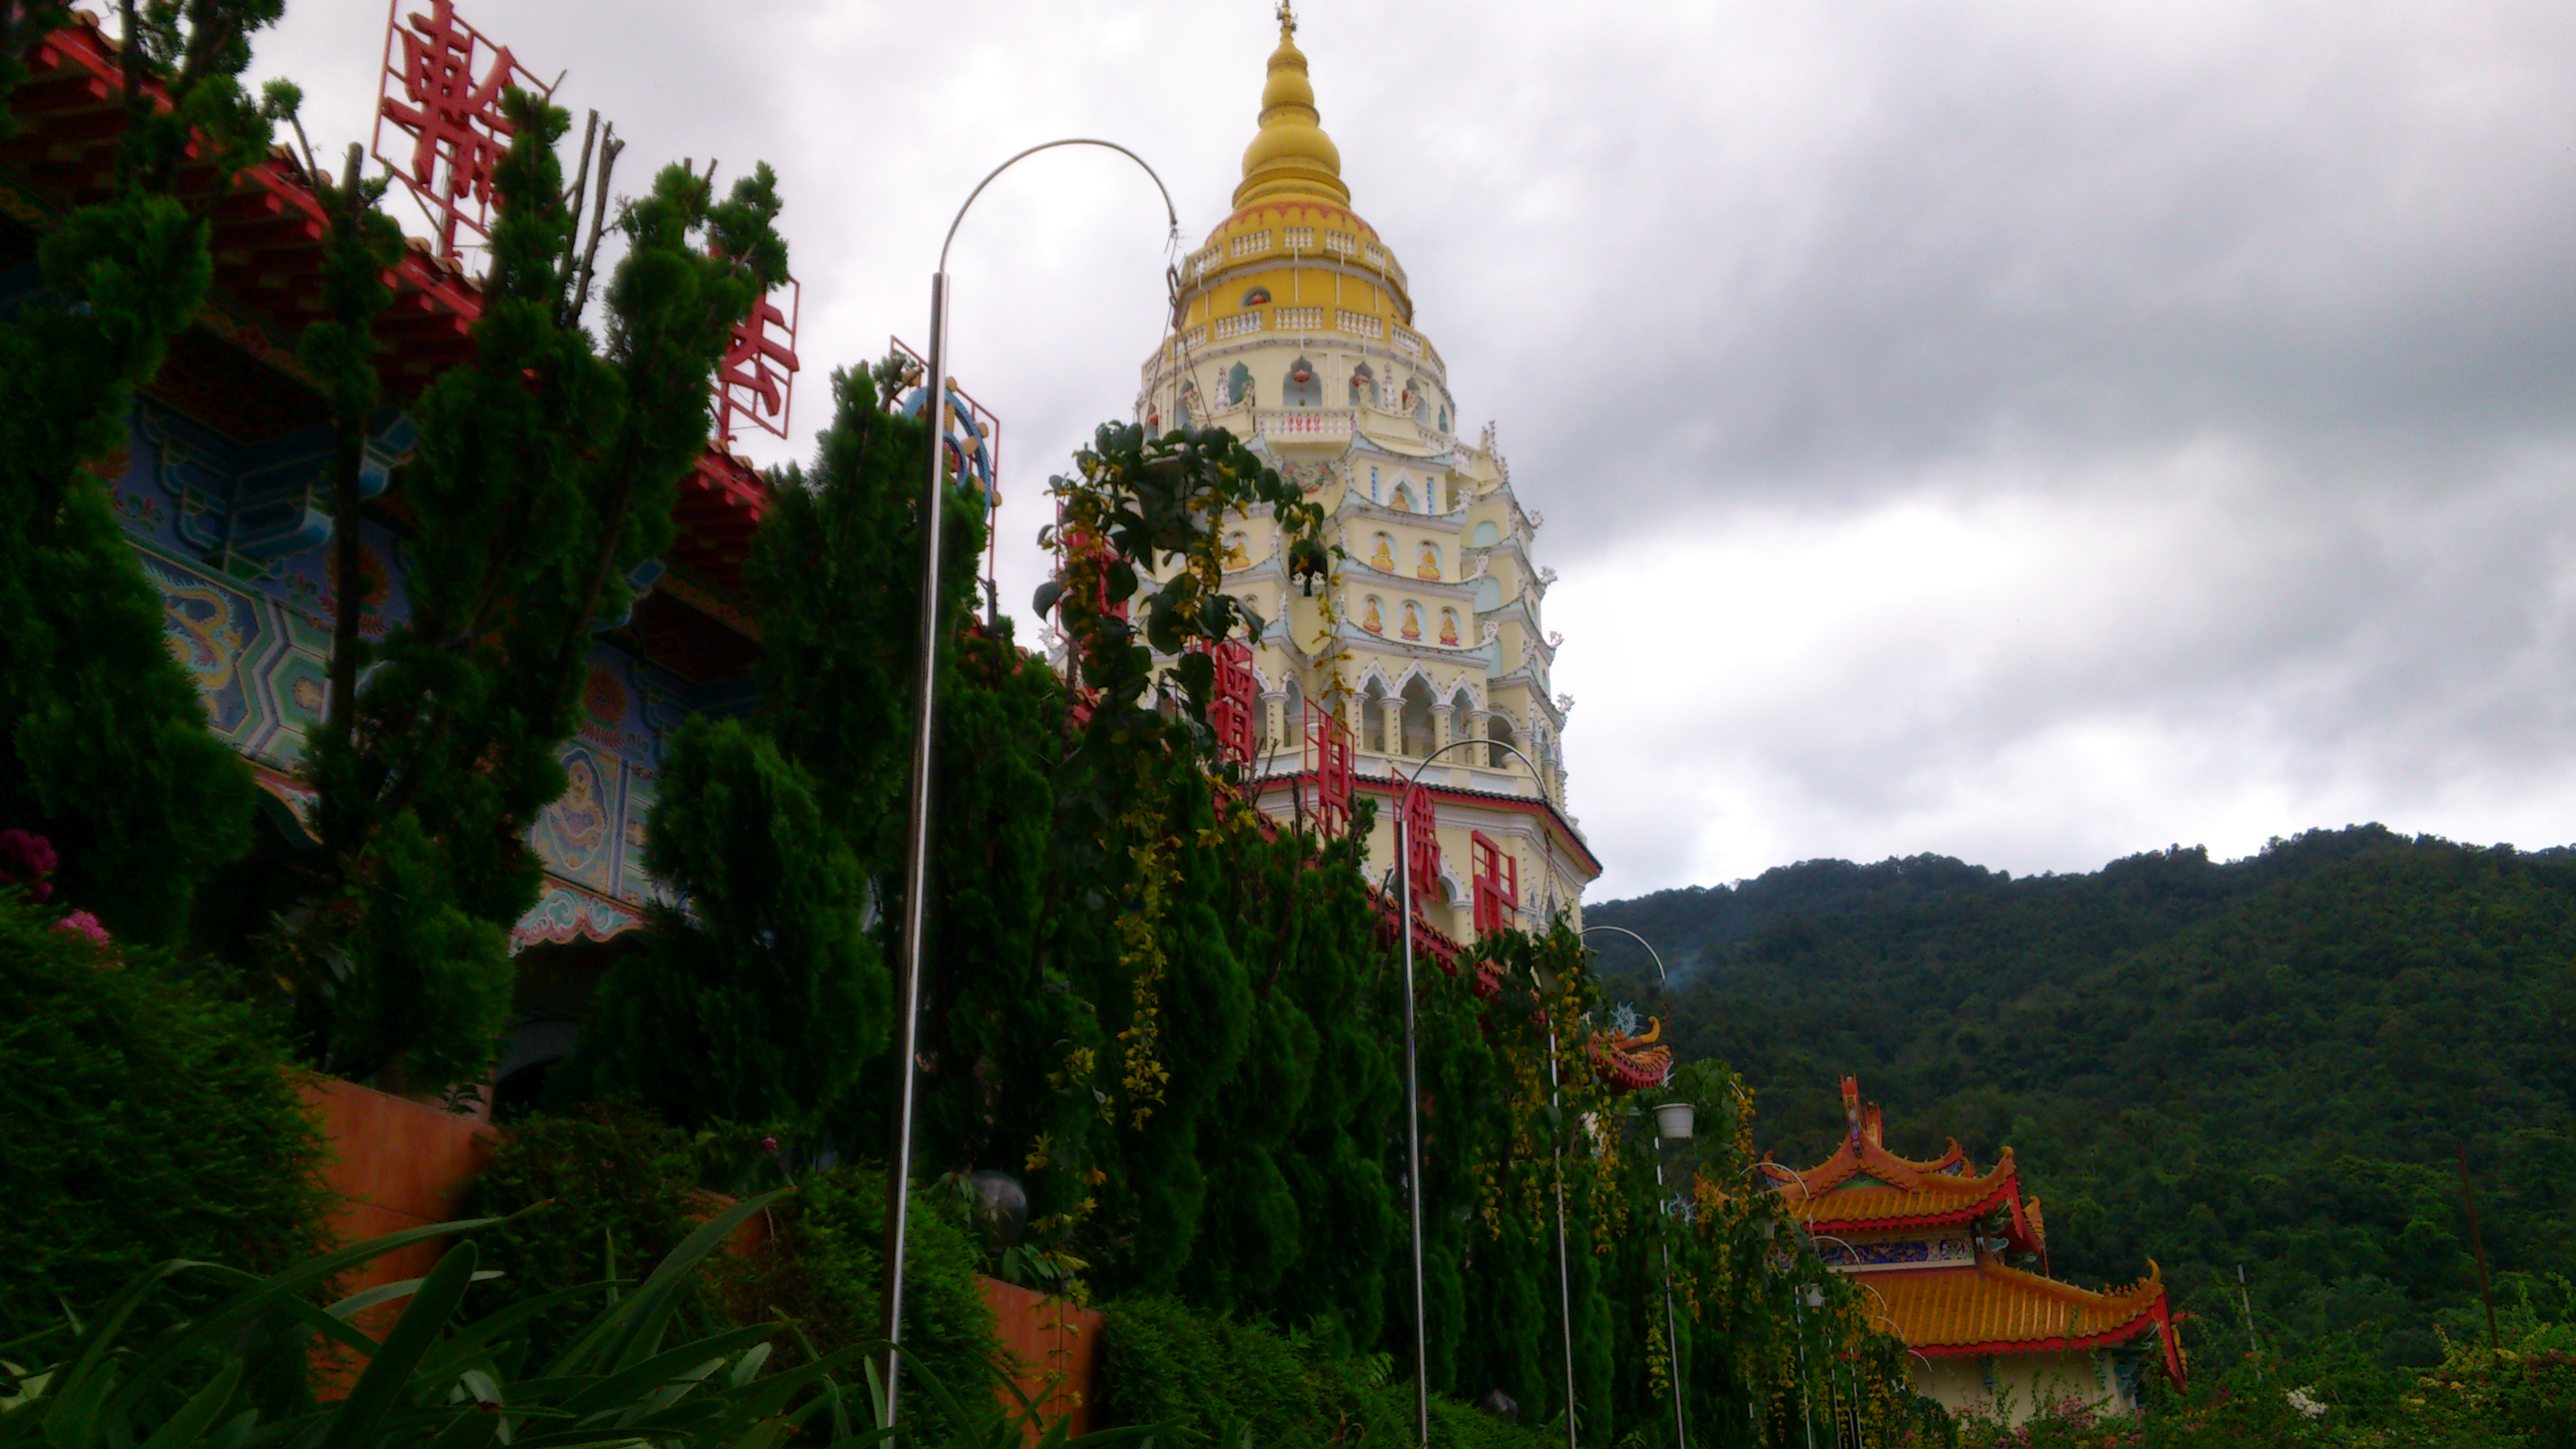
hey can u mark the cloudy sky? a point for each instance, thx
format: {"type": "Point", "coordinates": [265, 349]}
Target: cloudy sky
{"type": "Point", "coordinates": [2032, 432]}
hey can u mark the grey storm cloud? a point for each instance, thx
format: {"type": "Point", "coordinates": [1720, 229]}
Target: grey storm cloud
{"type": "Point", "coordinates": [2033, 432]}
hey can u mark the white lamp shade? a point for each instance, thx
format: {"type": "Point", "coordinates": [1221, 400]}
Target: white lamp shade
{"type": "Point", "coordinates": [1673, 1121]}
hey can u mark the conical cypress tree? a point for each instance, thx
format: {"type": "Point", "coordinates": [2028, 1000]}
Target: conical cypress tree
{"type": "Point", "coordinates": [109, 752]}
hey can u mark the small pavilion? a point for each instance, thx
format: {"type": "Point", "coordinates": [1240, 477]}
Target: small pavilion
{"type": "Point", "coordinates": [1932, 1243]}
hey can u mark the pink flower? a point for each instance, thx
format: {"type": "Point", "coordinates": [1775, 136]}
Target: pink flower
{"type": "Point", "coordinates": [85, 926]}
{"type": "Point", "coordinates": [769, 1145]}
{"type": "Point", "coordinates": [26, 859]}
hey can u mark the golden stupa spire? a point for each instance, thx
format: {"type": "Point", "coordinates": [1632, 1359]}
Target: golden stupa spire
{"type": "Point", "coordinates": [1291, 156]}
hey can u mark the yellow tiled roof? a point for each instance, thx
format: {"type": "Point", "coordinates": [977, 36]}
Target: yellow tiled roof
{"type": "Point", "coordinates": [1994, 1309]}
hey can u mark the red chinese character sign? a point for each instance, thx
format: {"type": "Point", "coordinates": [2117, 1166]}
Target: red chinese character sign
{"type": "Point", "coordinates": [1496, 885]}
{"type": "Point", "coordinates": [1421, 840]}
{"type": "Point", "coordinates": [1328, 756]}
{"type": "Point", "coordinates": [756, 379]}
{"type": "Point", "coordinates": [445, 94]}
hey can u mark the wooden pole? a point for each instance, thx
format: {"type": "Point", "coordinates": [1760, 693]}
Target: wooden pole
{"type": "Point", "coordinates": [2477, 1245]}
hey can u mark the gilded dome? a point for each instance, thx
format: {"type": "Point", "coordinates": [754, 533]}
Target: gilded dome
{"type": "Point", "coordinates": [1291, 155]}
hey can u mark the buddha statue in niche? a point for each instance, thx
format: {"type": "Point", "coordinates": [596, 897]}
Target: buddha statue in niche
{"type": "Point", "coordinates": [1427, 564]}
{"type": "Point", "coordinates": [1383, 560]}
{"type": "Point", "coordinates": [1370, 618]}
{"type": "Point", "coordinates": [1449, 627]}
{"type": "Point", "coordinates": [1412, 620]}
{"type": "Point", "coordinates": [1238, 551]}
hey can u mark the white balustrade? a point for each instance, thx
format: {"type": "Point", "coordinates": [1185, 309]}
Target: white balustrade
{"type": "Point", "coordinates": [1304, 424]}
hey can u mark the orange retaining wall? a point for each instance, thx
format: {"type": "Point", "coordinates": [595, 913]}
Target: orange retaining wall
{"type": "Point", "coordinates": [1053, 1348]}
{"type": "Point", "coordinates": [394, 1164]}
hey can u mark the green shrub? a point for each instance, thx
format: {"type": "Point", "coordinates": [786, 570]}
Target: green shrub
{"type": "Point", "coordinates": [622, 1187]}
{"type": "Point", "coordinates": [443, 1378]}
{"type": "Point", "coordinates": [1163, 1362]}
{"type": "Point", "coordinates": [618, 1176]}
{"type": "Point", "coordinates": [141, 1119]}
{"type": "Point", "coordinates": [826, 1277]}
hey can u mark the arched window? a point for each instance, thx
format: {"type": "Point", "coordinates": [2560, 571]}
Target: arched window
{"type": "Point", "coordinates": [1487, 535]}
{"type": "Point", "coordinates": [1417, 718]}
{"type": "Point", "coordinates": [1499, 731]}
{"type": "Point", "coordinates": [1292, 714]}
{"type": "Point", "coordinates": [1257, 297]}
{"type": "Point", "coordinates": [1363, 386]}
{"type": "Point", "coordinates": [1418, 400]}
{"type": "Point", "coordinates": [1302, 389]}
{"type": "Point", "coordinates": [1238, 385]}
{"type": "Point", "coordinates": [1462, 712]}
{"type": "Point", "coordinates": [1373, 713]}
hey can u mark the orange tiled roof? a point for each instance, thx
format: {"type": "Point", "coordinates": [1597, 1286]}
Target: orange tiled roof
{"type": "Point", "coordinates": [1993, 1310]}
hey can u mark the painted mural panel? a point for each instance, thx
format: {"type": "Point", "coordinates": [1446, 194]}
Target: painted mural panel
{"type": "Point", "coordinates": [232, 539]}
{"type": "Point", "coordinates": [577, 835]}
{"type": "Point", "coordinates": [261, 669]}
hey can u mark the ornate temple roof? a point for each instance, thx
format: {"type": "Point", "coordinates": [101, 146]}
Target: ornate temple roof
{"type": "Point", "coordinates": [1865, 1187]}
{"type": "Point", "coordinates": [1993, 1309]}
{"type": "Point", "coordinates": [1933, 1274]}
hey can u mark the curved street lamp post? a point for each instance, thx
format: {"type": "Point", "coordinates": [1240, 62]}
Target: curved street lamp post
{"type": "Point", "coordinates": [1672, 1333]}
{"type": "Point", "coordinates": [1413, 1120]}
{"type": "Point", "coordinates": [916, 865]}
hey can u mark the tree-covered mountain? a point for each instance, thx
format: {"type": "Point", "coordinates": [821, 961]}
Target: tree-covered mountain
{"type": "Point", "coordinates": [2266, 1063]}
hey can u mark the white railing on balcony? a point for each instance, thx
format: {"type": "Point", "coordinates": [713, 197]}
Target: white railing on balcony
{"type": "Point", "coordinates": [1304, 424]}
{"type": "Point", "coordinates": [1375, 254]}
{"type": "Point", "coordinates": [1237, 325]}
{"type": "Point", "coordinates": [1301, 238]}
{"type": "Point", "coordinates": [1195, 337]}
{"type": "Point", "coordinates": [1360, 324]}
{"type": "Point", "coordinates": [1200, 262]}
{"type": "Point", "coordinates": [1408, 341]}
{"type": "Point", "coordinates": [1250, 244]}
{"type": "Point", "coordinates": [1342, 242]}
{"type": "Point", "coordinates": [1301, 319]}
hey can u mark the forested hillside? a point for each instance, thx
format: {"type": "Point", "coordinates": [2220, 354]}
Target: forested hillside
{"type": "Point", "coordinates": [2267, 1062]}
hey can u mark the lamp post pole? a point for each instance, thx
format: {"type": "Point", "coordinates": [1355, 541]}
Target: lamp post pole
{"type": "Point", "coordinates": [1413, 1117]}
{"type": "Point", "coordinates": [1672, 1332]}
{"type": "Point", "coordinates": [916, 865]}
{"type": "Point", "coordinates": [1813, 1238]}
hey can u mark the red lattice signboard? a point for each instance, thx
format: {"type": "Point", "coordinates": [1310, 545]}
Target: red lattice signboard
{"type": "Point", "coordinates": [756, 380]}
{"type": "Point", "coordinates": [1234, 707]}
{"type": "Point", "coordinates": [1328, 758]}
{"type": "Point", "coordinates": [1422, 840]}
{"type": "Point", "coordinates": [1496, 885]}
{"type": "Point", "coordinates": [444, 92]}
